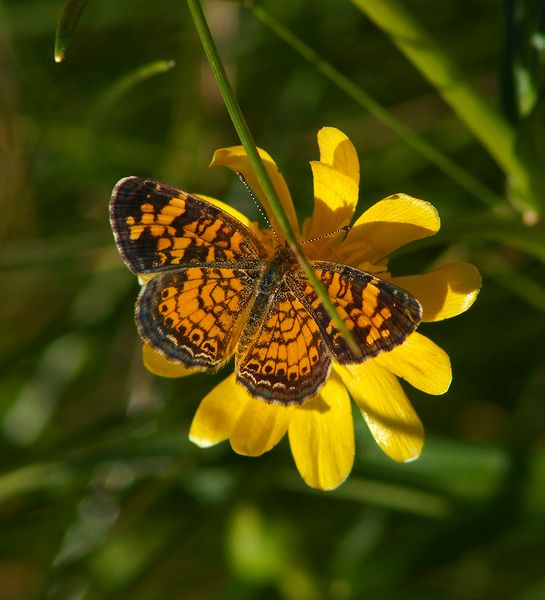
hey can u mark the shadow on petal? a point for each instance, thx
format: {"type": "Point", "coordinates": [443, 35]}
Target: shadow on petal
{"type": "Point", "coordinates": [386, 409]}
{"type": "Point", "coordinates": [259, 426]}
{"type": "Point", "coordinates": [444, 292]}
{"type": "Point", "coordinates": [335, 199]}
{"type": "Point", "coordinates": [386, 237]}
{"type": "Point", "coordinates": [338, 151]}
{"type": "Point", "coordinates": [157, 364]}
{"type": "Point", "coordinates": [217, 414]}
{"type": "Point", "coordinates": [317, 404]}
{"type": "Point", "coordinates": [420, 362]}
{"type": "Point", "coordinates": [322, 441]}
{"type": "Point", "coordinates": [389, 224]}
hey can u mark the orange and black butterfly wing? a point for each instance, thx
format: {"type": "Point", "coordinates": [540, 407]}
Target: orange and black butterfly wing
{"type": "Point", "coordinates": [194, 316]}
{"type": "Point", "coordinates": [158, 227]}
{"type": "Point", "coordinates": [204, 264]}
{"type": "Point", "coordinates": [282, 356]}
{"type": "Point", "coordinates": [379, 314]}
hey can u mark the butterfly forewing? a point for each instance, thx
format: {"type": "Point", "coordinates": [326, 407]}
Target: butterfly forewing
{"type": "Point", "coordinates": [379, 314]}
{"type": "Point", "coordinates": [158, 227]}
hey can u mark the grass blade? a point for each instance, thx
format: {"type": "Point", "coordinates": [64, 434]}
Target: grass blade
{"type": "Point", "coordinates": [66, 26]}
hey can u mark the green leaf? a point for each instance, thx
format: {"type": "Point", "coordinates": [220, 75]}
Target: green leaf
{"type": "Point", "coordinates": [481, 118]}
{"type": "Point", "coordinates": [66, 26]}
{"type": "Point", "coordinates": [418, 45]}
{"type": "Point", "coordinates": [530, 147]}
{"type": "Point", "coordinates": [525, 55]}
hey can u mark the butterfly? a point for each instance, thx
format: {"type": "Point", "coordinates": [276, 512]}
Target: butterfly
{"type": "Point", "coordinates": [211, 289]}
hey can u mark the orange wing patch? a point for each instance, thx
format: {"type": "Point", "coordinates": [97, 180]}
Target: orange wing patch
{"type": "Point", "coordinates": [379, 314]}
{"type": "Point", "coordinates": [157, 225]}
{"type": "Point", "coordinates": [195, 316]}
{"type": "Point", "coordinates": [286, 360]}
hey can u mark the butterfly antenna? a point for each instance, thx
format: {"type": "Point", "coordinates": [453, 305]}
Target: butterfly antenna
{"type": "Point", "coordinates": [257, 203]}
{"type": "Point", "coordinates": [346, 229]}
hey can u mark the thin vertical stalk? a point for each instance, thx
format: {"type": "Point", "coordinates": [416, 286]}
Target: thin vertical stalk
{"type": "Point", "coordinates": [248, 142]}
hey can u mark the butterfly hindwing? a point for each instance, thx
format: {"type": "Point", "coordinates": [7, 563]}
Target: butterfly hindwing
{"type": "Point", "coordinates": [194, 316]}
{"type": "Point", "coordinates": [379, 314]}
{"type": "Point", "coordinates": [158, 227]}
{"type": "Point", "coordinates": [283, 359]}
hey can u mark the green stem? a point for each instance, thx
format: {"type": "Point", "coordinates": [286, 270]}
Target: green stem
{"type": "Point", "coordinates": [248, 142]}
{"type": "Point", "coordinates": [411, 138]}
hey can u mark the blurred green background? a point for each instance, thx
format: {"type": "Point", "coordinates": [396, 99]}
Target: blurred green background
{"type": "Point", "coordinates": [101, 493]}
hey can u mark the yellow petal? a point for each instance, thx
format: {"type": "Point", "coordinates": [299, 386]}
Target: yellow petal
{"type": "Point", "coordinates": [335, 199]}
{"type": "Point", "coordinates": [145, 277]}
{"type": "Point", "coordinates": [336, 181]}
{"type": "Point", "coordinates": [420, 362]}
{"type": "Point", "coordinates": [236, 159]}
{"type": "Point", "coordinates": [386, 409]}
{"type": "Point", "coordinates": [217, 413]}
{"type": "Point", "coordinates": [337, 151]}
{"type": "Point", "coordinates": [157, 364]}
{"type": "Point", "coordinates": [321, 435]}
{"type": "Point", "coordinates": [259, 427]}
{"type": "Point", "coordinates": [445, 292]}
{"type": "Point", "coordinates": [387, 225]}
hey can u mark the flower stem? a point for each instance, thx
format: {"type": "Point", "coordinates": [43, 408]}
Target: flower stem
{"type": "Point", "coordinates": [248, 142]}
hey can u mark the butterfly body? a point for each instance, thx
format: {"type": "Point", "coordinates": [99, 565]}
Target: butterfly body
{"type": "Point", "coordinates": [216, 291]}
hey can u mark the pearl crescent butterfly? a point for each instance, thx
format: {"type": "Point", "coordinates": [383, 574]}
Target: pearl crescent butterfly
{"type": "Point", "coordinates": [216, 291]}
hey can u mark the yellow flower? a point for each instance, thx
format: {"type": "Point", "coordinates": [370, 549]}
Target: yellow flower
{"type": "Point", "coordinates": [321, 431]}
